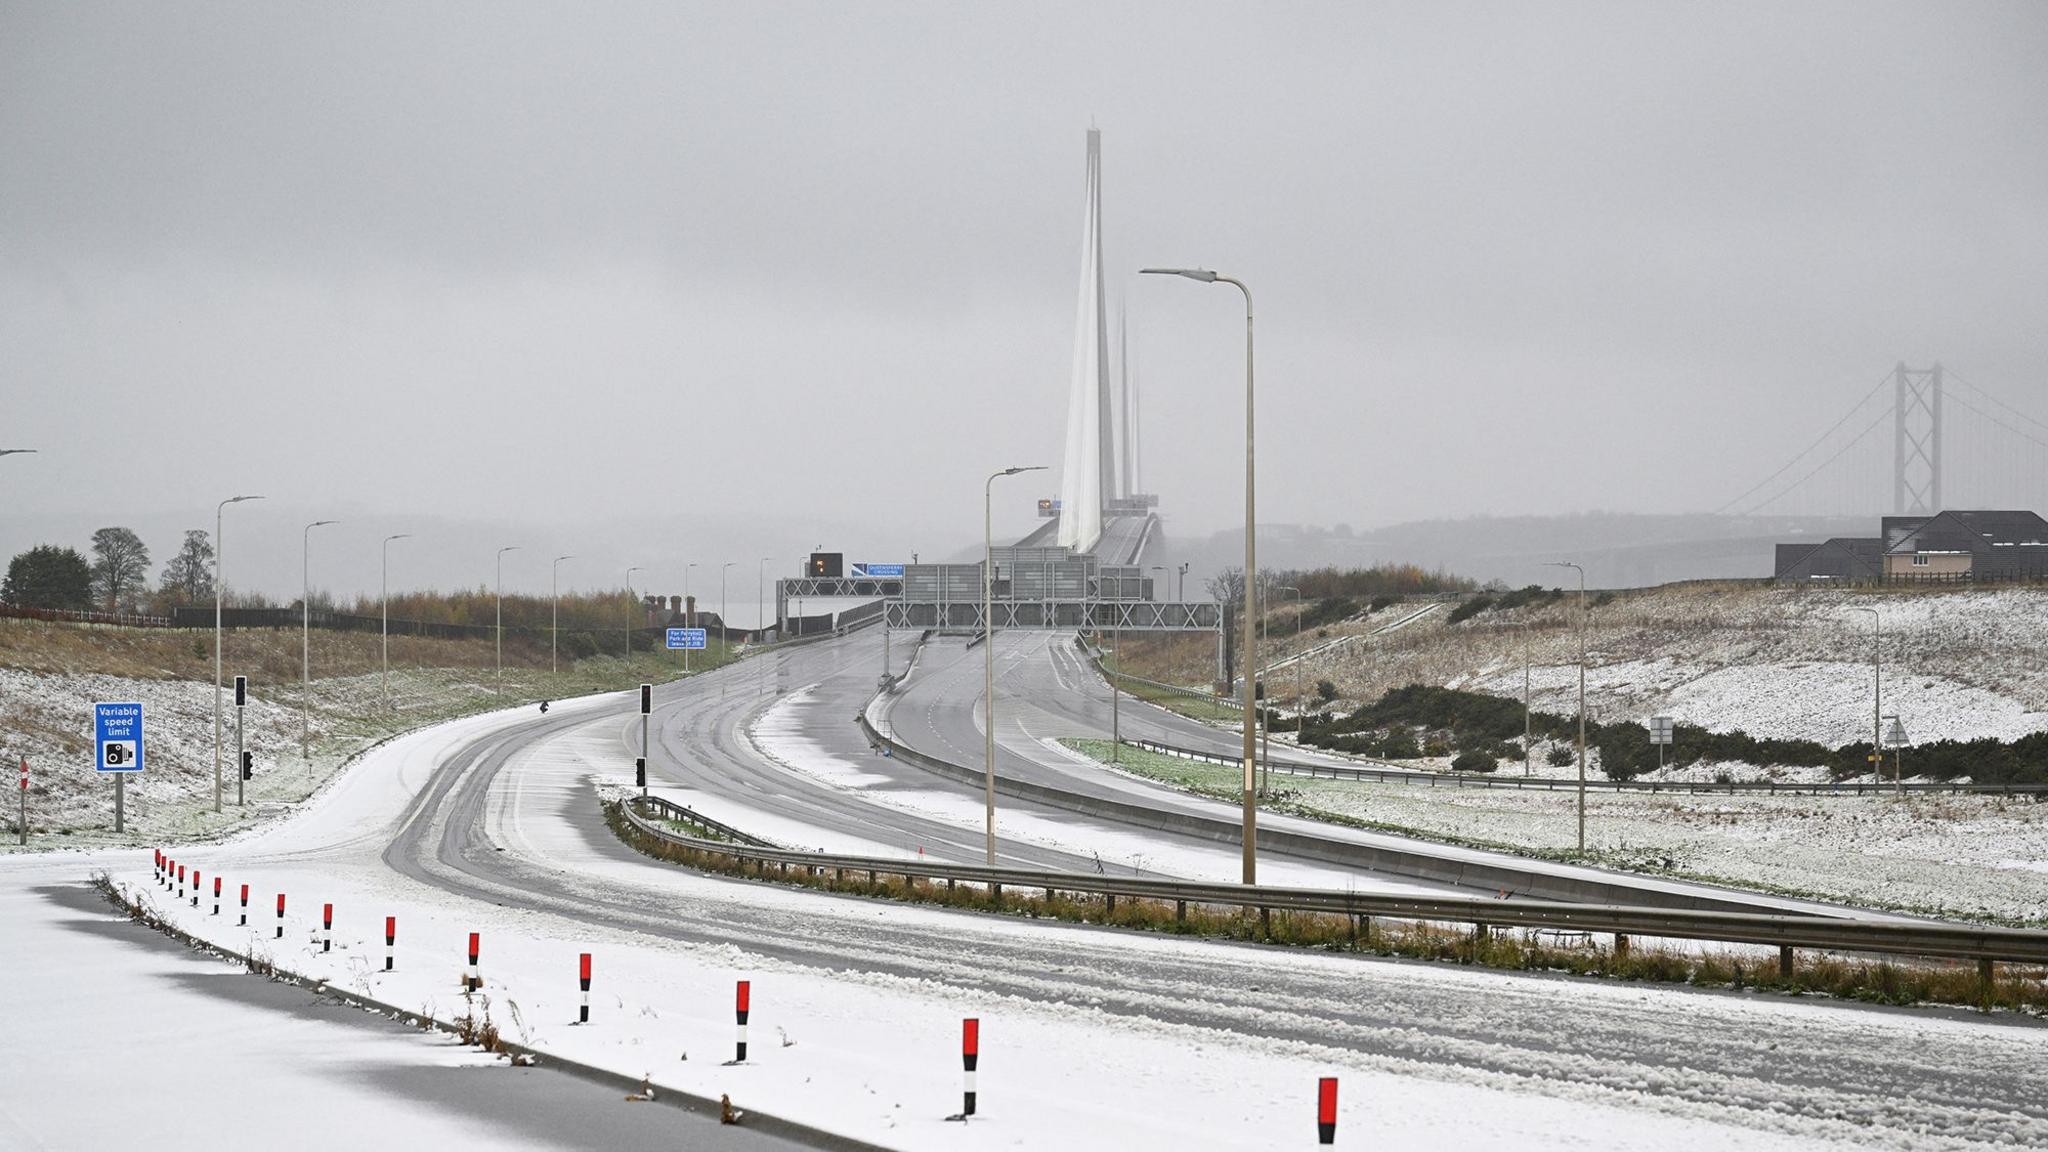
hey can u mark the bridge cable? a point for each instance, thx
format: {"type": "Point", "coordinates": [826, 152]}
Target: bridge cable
{"type": "Point", "coordinates": [1765, 482]}
{"type": "Point", "coordinates": [1787, 490]}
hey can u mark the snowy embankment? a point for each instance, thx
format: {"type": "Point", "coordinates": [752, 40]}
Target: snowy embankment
{"type": "Point", "coordinates": [49, 721]}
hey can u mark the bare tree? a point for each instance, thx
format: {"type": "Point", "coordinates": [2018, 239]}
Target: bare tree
{"type": "Point", "coordinates": [188, 578]}
{"type": "Point", "coordinates": [120, 566]}
{"type": "Point", "coordinates": [1227, 587]}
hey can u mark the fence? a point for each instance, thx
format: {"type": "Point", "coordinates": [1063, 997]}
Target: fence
{"type": "Point", "coordinates": [80, 616]}
{"type": "Point", "coordinates": [1567, 784]}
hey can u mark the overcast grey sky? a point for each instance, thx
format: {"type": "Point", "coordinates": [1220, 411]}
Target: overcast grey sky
{"type": "Point", "coordinates": [552, 268]}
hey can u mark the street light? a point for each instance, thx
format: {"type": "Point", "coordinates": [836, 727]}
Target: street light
{"type": "Point", "coordinates": [1251, 568]}
{"type": "Point", "coordinates": [1877, 699]}
{"type": "Point", "coordinates": [501, 615]}
{"type": "Point", "coordinates": [689, 611]}
{"type": "Point", "coordinates": [15, 451]}
{"type": "Point", "coordinates": [630, 601]}
{"type": "Point", "coordinates": [761, 606]}
{"type": "Point", "coordinates": [306, 631]}
{"type": "Point", "coordinates": [988, 656]}
{"type": "Point", "coordinates": [555, 613]}
{"type": "Point", "coordinates": [219, 548]}
{"type": "Point", "coordinates": [384, 605]}
{"type": "Point", "coordinates": [1582, 695]}
{"type": "Point", "coordinates": [723, 637]}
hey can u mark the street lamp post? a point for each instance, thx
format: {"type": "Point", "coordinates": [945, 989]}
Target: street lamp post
{"type": "Point", "coordinates": [555, 613]}
{"type": "Point", "coordinates": [1251, 568]}
{"type": "Point", "coordinates": [306, 634]}
{"type": "Point", "coordinates": [760, 620]}
{"type": "Point", "coordinates": [1877, 699]}
{"type": "Point", "coordinates": [689, 611]}
{"type": "Point", "coordinates": [988, 657]}
{"type": "Point", "coordinates": [723, 637]}
{"type": "Point", "coordinates": [501, 615]}
{"type": "Point", "coordinates": [1582, 696]}
{"type": "Point", "coordinates": [631, 600]}
{"type": "Point", "coordinates": [219, 548]}
{"type": "Point", "coordinates": [384, 605]}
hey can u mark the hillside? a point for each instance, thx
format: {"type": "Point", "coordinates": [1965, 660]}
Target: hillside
{"type": "Point", "coordinates": [51, 674]}
{"type": "Point", "coordinates": [1778, 662]}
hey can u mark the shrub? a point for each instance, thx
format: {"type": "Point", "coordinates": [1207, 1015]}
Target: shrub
{"type": "Point", "coordinates": [1469, 609]}
{"type": "Point", "coordinates": [1561, 756]}
{"type": "Point", "coordinates": [1436, 746]}
{"type": "Point", "coordinates": [1473, 762]}
{"type": "Point", "coordinates": [1399, 745]}
{"type": "Point", "coordinates": [1326, 691]}
{"type": "Point", "coordinates": [1379, 602]}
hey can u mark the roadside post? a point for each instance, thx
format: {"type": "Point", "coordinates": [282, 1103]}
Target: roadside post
{"type": "Point", "coordinates": [646, 710]}
{"type": "Point", "coordinates": [117, 733]}
{"type": "Point", "coordinates": [1660, 735]}
{"type": "Point", "coordinates": [241, 701]}
{"type": "Point", "coordinates": [1326, 1110]}
{"type": "Point", "coordinates": [24, 801]}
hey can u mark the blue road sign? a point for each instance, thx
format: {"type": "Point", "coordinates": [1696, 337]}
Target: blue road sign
{"type": "Point", "coordinates": [873, 571]}
{"type": "Point", "coordinates": [117, 733]}
{"type": "Point", "coordinates": [692, 638]}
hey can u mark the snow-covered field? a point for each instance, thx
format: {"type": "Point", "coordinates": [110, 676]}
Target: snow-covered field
{"type": "Point", "coordinates": [1785, 662]}
{"type": "Point", "coordinates": [1965, 856]}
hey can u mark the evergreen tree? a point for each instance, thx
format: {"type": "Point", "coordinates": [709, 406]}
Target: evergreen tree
{"type": "Point", "coordinates": [120, 566]}
{"type": "Point", "coordinates": [47, 576]}
{"type": "Point", "coordinates": [188, 577]}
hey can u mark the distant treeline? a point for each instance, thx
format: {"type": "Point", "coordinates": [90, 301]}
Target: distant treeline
{"type": "Point", "coordinates": [1367, 583]}
{"type": "Point", "coordinates": [1491, 727]}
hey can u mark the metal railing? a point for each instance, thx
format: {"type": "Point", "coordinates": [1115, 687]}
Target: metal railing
{"type": "Point", "coordinates": [1788, 931]}
{"type": "Point", "coordinates": [1570, 783]}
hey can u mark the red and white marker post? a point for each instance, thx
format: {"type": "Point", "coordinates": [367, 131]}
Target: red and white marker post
{"type": "Point", "coordinates": [475, 979]}
{"type": "Point", "coordinates": [390, 939]}
{"type": "Point", "coordinates": [583, 978]}
{"type": "Point", "coordinates": [327, 927]}
{"type": "Point", "coordinates": [1326, 1110]}
{"type": "Point", "coordinates": [742, 1000]}
{"type": "Point", "coordinates": [195, 887]}
{"type": "Point", "coordinates": [216, 894]}
{"type": "Point", "coordinates": [181, 881]}
{"type": "Point", "coordinates": [157, 865]}
{"type": "Point", "coordinates": [970, 1055]}
{"type": "Point", "coordinates": [280, 915]}
{"type": "Point", "coordinates": [245, 907]}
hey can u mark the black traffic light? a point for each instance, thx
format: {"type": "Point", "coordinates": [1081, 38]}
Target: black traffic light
{"type": "Point", "coordinates": [241, 691]}
{"type": "Point", "coordinates": [646, 699]}
{"type": "Point", "coordinates": [248, 764]}
{"type": "Point", "coordinates": [640, 771]}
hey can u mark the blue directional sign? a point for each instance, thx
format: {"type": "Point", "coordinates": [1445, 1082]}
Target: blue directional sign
{"type": "Point", "coordinates": [690, 638]}
{"type": "Point", "coordinates": [117, 733]}
{"type": "Point", "coordinates": [875, 571]}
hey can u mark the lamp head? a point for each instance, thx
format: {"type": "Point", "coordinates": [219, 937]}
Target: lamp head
{"type": "Point", "coordinates": [1202, 274]}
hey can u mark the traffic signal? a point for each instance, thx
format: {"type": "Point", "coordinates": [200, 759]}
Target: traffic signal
{"type": "Point", "coordinates": [248, 764]}
{"type": "Point", "coordinates": [646, 699]}
{"type": "Point", "coordinates": [241, 691]}
{"type": "Point", "coordinates": [640, 771]}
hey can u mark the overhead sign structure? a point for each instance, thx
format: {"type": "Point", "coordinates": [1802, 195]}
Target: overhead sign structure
{"type": "Point", "coordinates": [117, 733]}
{"type": "Point", "coordinates": [876, 571]}
{"type": "Point", "coordinates": [688, 639]}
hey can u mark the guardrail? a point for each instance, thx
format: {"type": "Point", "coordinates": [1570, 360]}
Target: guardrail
{"type": "Point", "coordinates": [1566, 784]}
{"type": "Point", "coordinates": [670, 810]}
{"type": "Point", "coordinates": [84, 616]}
{"type": "Point", "coordinates": [1786, 932]}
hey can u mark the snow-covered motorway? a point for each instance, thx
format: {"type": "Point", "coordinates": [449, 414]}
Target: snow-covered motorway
{"type": "Point", "coordinates": [1091, 1038]}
